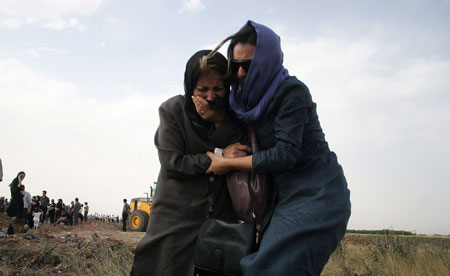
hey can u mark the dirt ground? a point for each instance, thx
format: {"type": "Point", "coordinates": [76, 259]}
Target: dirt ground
{"type": "Point", "coordinates": [42, 249]}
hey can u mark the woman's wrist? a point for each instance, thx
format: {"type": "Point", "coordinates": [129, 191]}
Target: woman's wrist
{"type": "Point", "coordinates": [240, 163]}
{"type": "Point", "coordinates": [231, 163]}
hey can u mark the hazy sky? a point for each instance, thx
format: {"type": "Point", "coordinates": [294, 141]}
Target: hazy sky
{"type": "Point", "coordinates": [81, 82]}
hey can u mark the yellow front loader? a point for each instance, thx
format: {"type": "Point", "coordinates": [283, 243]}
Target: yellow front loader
{"type": "Point", "coordinates": [140, 208]}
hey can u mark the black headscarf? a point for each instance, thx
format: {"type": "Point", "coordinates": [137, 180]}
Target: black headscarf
{"type": "Point", "coordinates": [15, 181]}
{"type": "Point", "coordinates": [192, 74]}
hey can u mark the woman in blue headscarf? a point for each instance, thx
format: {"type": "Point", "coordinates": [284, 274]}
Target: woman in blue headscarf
{"type": "Point", "coordinates": [311, 198]}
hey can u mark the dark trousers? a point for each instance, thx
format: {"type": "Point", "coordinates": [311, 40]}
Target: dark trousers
{"type": "Point", "coordinates": [25, 215]}
{"type": "Point", "coordinates": [75, 217]}
{"type": "Point", "coordinates": [44, 215]}
{"type": "Point", "coordinates": [52, 217]}
{"type": "Point", "coordinates": [30, 221]}
{"type": "Point", "coordinates": [124, 221]}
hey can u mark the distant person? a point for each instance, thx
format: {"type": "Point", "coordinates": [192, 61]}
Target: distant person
{"type": "Point", "coordinates": [125, 210]}
{"type": "Point", "coordinates": [2, 204]}
{"type": "Point", "coordinates": [27, 214]}
{"type": "Point", "coordinates": [67, 208]}
{"type": "Point", "coordinates": [71, 209]}
{"type": "Point", "coordinates": [59, 207]}
{"type": "Point", "coordinates": [65, 218]}
{"type": "Point", "coordinates": [6, 204]}
{"type": "Point", "coordinates": [34, 203]}
{"type": "Point", "coordinates": [15, 208]}
{"type": "Point", "coordinates": [80, 214]}
{"type": "Point", "coordinates": [76, 212]}
{"type": "Point", "coordinates": [44, 201]}
{"type": "Point", "coordinates": [86, 211]}
{"type": "Point", "coordinates": [37, 217]}
{"type": "Point", "coordinates": [52, 211]}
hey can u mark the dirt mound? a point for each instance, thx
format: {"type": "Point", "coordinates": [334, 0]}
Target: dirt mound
{"type": "Point", "coordinates": [63, 250]}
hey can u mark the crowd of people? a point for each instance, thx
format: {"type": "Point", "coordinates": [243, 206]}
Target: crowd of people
{"type": "Point", "coordinates": [102, 218]}
{"type": "Point", "coordinates": [39, 209]}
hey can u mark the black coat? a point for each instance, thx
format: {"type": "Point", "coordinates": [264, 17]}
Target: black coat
{"type": "Point", "coordinates": [184, 193]}
{"type": "Point", "coordinates": [15, 208]}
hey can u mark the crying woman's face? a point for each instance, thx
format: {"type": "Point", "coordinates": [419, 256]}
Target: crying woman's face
{"type": "Point", "coordinates": [211, 87]}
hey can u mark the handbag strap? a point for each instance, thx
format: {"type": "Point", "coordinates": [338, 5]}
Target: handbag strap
{"type": "Point", "coordinates": [253, 144]}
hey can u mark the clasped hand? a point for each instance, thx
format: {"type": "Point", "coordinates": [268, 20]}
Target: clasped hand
{"type": "Point", "coordinates": [219, 165]}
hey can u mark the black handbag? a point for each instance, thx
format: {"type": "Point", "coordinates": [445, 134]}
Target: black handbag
{"type": "Point", "coordinates": [221, 245]}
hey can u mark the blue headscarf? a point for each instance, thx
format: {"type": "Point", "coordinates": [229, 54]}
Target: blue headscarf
{"type": "Point", "coordinates": [265, 75]}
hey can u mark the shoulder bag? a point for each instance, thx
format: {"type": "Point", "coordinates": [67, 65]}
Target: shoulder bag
{"type": "Point", "coordinates": [237, 182]}
{"type": "Point", "coordinates": [222, 244]}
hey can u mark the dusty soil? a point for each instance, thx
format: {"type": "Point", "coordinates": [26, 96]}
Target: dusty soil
{"type": "Point", "coordinates": [42, 249]}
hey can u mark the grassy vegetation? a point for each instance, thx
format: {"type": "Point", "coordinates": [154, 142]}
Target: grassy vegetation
{"type": "Point", "coordinates": [382, 232]}
{"type": "Point", "coordinates": [388, 254]}
{"type": "Point", "coordinates": [357, 255]}
{"type": "Point", "coordinates": [105, 259]}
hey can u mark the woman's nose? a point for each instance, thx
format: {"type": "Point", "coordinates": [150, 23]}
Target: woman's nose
{"type": "Point", "coordinates": [210, 95]}
{"type": "Point", "coordinates": [241, 74]}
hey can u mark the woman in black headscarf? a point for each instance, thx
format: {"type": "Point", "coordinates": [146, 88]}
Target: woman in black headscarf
{"type": "Point", "coordinates": [15, 208]}
{"type": "Point", "coordinates": [190, 125]}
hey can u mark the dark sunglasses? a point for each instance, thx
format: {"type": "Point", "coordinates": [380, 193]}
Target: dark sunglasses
{"type": "Point", "coordinates": [245, 64]}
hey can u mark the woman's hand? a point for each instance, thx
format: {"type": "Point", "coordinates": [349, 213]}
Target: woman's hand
{"type": "Point", "coordinates": [207, 114]}
{"type": "Point", "coordinates": [236, 150]}
{"type": "Point", "coordinates": [218, 165]}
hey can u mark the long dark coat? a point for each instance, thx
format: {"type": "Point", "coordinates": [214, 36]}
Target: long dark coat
{"type": "Point", "coordinates": [312, 204]}
{"type": "Point", "coordinates": [184, 193]}
{"type": "Point", "coordinates": [15, 208]}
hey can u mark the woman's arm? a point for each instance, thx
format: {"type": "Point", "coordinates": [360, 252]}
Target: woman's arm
{"type": "Point", "coordinates": [291, 116]}
{"type": "Point", "coordinates": [171, 145]}
{"type": "Point", "coordinates": [221, 165]}
{"type": "Point", "coordinates": [171, 139]}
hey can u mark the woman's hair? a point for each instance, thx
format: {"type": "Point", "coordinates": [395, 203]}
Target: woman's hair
{"type": "Point", "coordinates": [207, 68]}
{"type": "Point", "coordinates": [20, 174]}
{"type": "Point", "coordinates": [246, 35]}
{"type": "Point", "coordinates": [16, 180]}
